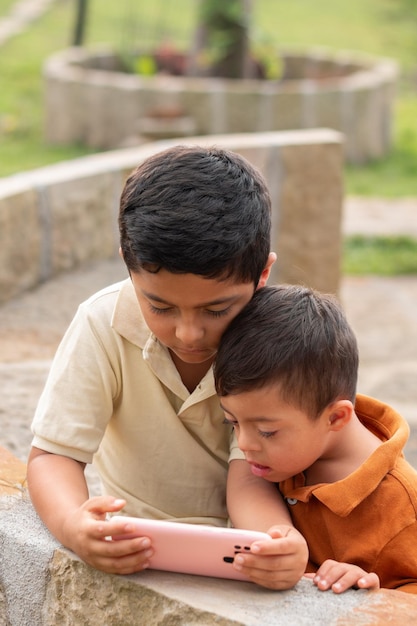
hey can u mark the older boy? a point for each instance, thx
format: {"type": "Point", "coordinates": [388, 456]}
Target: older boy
{"type": "Point", "coordinates": [132, 386]}
{"type": "Point", "coordinates": [286, 371]}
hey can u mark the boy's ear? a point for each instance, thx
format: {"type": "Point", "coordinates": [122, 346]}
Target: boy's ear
{"type": "Point", "coordinates": [272, 257]}
{"type": "Point", "coordinates": [340, 413]}
{"type": "Point", "coordinates": [120, 253]}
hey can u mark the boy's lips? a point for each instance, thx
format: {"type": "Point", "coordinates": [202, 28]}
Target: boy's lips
{"type": "Point", "coordinates": [259, 470]}
{"type": "Point", "coordinates": [192, 351]}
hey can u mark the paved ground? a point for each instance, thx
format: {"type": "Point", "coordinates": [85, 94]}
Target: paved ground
{"type": "Point", "coordinates": [383, 313]}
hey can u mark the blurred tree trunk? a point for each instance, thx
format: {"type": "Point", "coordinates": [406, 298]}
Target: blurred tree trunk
{"type": "Point", "coordinates": [221, 41]}
{"type": "Point", "coordinates": [80, 23]}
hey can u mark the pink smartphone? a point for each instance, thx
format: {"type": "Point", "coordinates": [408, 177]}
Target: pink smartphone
{"type": "Point", "coordinates": [193, 548]}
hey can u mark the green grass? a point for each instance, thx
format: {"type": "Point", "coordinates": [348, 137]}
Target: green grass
{"type": "Point", "coordinates": [378, 27]}
{"type": "Point", "coordinates": [381, 27]}
{"type": "Point", "coordinates": [5, 6]}
{"type": "Point", "coordinates": [396, 174]}
{"type": "Point", "coordinates": [385, 28]}
{"type": "Point", "coordinates": [384, 256]}
{"type": "Point", "coordinates": [22, 146]}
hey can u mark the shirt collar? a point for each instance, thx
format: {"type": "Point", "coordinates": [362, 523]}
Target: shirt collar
{"type": "Point", "coordinates": [127, 318]}
{"type": "Point", "coordinates": [344, 495]}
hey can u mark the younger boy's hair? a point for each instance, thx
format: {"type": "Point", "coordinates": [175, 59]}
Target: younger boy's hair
{"type": "Point", "coordinates": [295, 338]}
{"type": "Point", "coordinates": [196, 210]}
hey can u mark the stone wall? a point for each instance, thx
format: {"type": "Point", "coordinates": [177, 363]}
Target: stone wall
{"type": "Point", "coordinates": [55, 218]}
{"type": "Point", "coordinates": [89, 100]}
{"type": "Point", "coordinates": [43, 584]}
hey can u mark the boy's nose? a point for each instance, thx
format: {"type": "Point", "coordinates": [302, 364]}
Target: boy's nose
{"type": "Point", "coordinates": [188, 332]}
{"type": "Point", "coordinates": [245, 442]}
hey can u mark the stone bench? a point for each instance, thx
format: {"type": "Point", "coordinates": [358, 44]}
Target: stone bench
{"type": "Point", "coordinates": [58, 217]}
{"type": "Point", "coordinates": [43, 584]}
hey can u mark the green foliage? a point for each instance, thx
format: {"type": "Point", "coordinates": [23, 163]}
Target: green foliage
{"type": "Point", "coordinates": [224, 29]}
{"type": "Point", "coordinates": [264, 50]}
{"type": "Point", "coordinates": [145, 65]}
{"type": "Point", "coordinates": [384, 256]}
{"type": "Point", "coordinates": [221, 12]}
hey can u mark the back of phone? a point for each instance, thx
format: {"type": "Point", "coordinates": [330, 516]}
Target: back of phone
{"type": "Point", "coordinates": [193, 548]}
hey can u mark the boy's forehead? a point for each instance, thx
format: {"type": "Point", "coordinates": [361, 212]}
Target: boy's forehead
{"type": "Point", "coordinates": [171, 287]}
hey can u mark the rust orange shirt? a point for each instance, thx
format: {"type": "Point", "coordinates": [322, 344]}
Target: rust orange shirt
{"type": "Point", "coordinates": [368, 518]}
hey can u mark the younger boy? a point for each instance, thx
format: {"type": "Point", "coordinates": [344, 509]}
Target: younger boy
{"type": "Point", "coordinates": [286, 371]}
{"type": "Point", "coordinates": [132, 385]}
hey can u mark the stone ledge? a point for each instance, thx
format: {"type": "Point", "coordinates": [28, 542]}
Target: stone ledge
{"type": "Point", "coordinates": [12, 474]}
{"type": "Point", "coordinates": [58, 217]}
{"type": "Point", "coordinates": [43, 584]}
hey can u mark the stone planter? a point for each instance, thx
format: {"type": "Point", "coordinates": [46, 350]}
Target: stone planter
{"type": "Point", "coordinates": [90, 100]}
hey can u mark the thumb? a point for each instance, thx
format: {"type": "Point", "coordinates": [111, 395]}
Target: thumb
{"type": "Point", "coordinates": [100, 505]}
{"type": "Point", "coordinates": [277, 532]}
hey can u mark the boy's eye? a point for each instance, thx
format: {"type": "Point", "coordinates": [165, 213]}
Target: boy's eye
{"type": "Point", "coordinates": [229, 422]}
{"type": "Point", "coordinates": [218, 313]}
{"type": "Point", "coordinates": [267, 434]}
{"type": "Point", "coordinates": [159, 310]}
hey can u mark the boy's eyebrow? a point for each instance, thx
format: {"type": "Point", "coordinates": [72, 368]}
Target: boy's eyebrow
{"type": "Point", "coordinates": [258, 418]}
{"type": "Point", "coordinates": [224, 300]}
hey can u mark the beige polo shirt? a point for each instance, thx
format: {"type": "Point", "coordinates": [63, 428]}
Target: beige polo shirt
{"type": "Point", "coordinates": [114, 397]}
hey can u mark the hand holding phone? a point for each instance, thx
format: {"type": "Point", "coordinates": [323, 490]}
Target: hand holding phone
{"type": "Point", "coordinates": [193, 548]}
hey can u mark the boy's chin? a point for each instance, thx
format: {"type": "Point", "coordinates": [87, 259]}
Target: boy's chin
{"type": "Point", "coordinates": [195, 356]}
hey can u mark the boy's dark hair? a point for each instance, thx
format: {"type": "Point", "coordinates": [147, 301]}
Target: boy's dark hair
{"type": "Point", "coordinates": [196, 210]}
{"type": "Point", "coordinates": [292, 337]}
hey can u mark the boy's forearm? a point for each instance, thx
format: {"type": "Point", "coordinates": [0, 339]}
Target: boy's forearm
{"type": "Point", "coordinates": [57, 486]}
{"type": "Point", "coordinates": [252, 502]}
{"type": "Point", "coordinates": [60, 495]}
